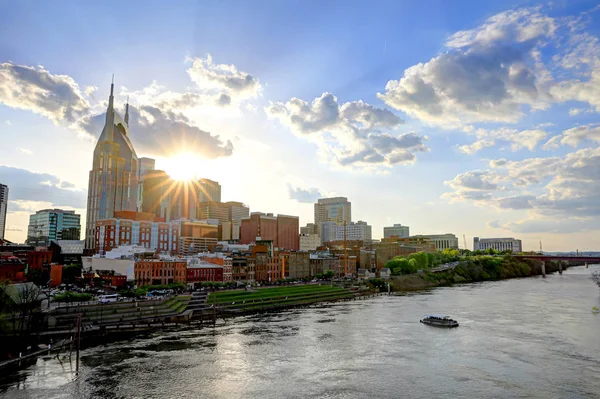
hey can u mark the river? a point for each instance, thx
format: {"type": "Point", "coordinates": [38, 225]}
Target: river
{"type": "Point", "coordinates": [531, 337]}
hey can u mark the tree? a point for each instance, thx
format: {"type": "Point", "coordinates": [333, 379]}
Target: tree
{"type": "Point", "coordinates": [71, 273]}
{"type": "Point", "coordinates": [596, 278]}
{"type": "Point", "coordinates": [421, 259]}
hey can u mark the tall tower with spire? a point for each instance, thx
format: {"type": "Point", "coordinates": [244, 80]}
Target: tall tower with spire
{"type": "Point", "coordinates": [113, 178]}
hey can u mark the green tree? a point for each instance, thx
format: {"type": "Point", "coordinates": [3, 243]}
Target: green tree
{"type": "Point", "coordinates": [421, 259]}
{"type": "Point", "coordinates": [71, 273]}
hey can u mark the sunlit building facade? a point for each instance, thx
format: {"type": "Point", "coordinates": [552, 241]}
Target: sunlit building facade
{"type": "Point", "coordinates": [113, 178]}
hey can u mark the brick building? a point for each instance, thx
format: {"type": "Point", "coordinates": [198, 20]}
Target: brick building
{"type": "Point", "coordinates": [158, 271]}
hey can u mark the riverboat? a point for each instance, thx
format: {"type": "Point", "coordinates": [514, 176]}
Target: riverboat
{"type": "Point", "coordinates": [439, 320]}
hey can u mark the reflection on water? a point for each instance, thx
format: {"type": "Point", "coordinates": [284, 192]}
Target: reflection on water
{"type": "Point", "coordinates": [534, 337]}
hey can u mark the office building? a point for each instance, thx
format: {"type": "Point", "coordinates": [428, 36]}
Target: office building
{"type": "Point", "coordinates": [309, 242]}
{"type": "Point", "coordinates": [113, 178]}
{"type": "Point", "coordinates": [53, 224]}
{"type": "Point", "coordinates": [441, 241]}
{"type": "Point", "coordinates": [397, 230]}
{"type": "Point", "coordinates": [327, 231]}
{"type": "Point", "coordinates": [156, 194]}
{"type": "Point", "coordinates": [3, 208]}
{"type": "Point", "coordinates": [336, 210]}
{"type": "Point", "coordinates": [208, 190]}
{"type": "Point", "coordinates": [287, 232]}
{"type": "Point", "coordinates": [282, 230]}
{"type": "Point", "coordinates": [310, 228]}
{"type": "Point", "coordinates": [145, 165]}
{"type": "Point", "coordinates": [499, 244]}
{"type": "Point", "coordinates": [359, 231]}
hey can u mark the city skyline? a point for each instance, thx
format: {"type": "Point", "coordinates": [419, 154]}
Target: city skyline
{"type": "Point", "coordinates": [486, 128]}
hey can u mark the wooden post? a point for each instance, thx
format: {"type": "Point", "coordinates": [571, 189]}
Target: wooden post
{"type": "Point", "coordinates": [559, 267]}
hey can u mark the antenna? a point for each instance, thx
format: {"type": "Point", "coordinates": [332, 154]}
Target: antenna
{"type": "Point", "coordinates": [541, 250]}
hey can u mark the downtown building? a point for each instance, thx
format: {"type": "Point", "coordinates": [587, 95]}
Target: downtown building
{"type": "Point", "coordinates": [397, 230]}
{"type": "Point", "coordinates": [113, 179]}
{"type": "Point", "coordinates": [337, 210]}
{"type": "Point", "coordinates": [498, 244]}
{"type": "Point", "coordinates": [359, 231]}
{"type": "Point", "coordinates": [182, 237]}
{"type": "Point", "coordinates": [441, 241]}
{"type": "Point", "coordinates": [281, 230]}
{"type": "Point", "coordinates": [3, 208]}
{"type": "Point", "coordinates": [52, 224]}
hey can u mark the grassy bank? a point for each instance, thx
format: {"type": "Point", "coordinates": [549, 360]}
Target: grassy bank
{"type": "Point", "coordinates": [278, 297]}
{"type": "Point", "coordinates": [474, 269]}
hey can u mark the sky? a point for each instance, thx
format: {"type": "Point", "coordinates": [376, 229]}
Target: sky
{"type": "Point", "coordinates": [465, 117]}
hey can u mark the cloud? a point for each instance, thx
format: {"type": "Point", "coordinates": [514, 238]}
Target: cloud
{"type": "Point", "coordinates": [309, 195]}
{"type": "Point", "coordinates": [8, 122]}
{"type": "Point", "coordinates": [225, 78]}
{"type": "Point", "coordinates": [561, 188]}
{"type": "Point", "coordinates": [25, 151]}
{"type": "Point", "coordinates": [476, 146]}
{"type": "Point", "coordinates": [350, 134]}
{"type": "Point", "coordinates": [574, 137]}
{"type": "Point", "coordinates": [473, 180]}
{"type": "Point", "coordinates": [578, 111]}
{"type": "Point", "coordinates": [57, 97]}
{"type": "Point", "coordinates": [487, 74]}
{"type": "Point", "coordinates": [493, 224]}
{"type": "Point", "coordinates": [25, 185]}
{"type": "Point", "coordinates": [155, 131]}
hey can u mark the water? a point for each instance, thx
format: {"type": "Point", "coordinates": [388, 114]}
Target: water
{"type": "Point", "coordinates": [533, 337]}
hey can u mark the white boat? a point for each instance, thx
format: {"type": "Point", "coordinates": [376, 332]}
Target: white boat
{"type": "Point", "coordinates": [439, 320]}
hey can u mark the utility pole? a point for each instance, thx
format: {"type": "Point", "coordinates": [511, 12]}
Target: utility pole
{"type": "Point", "coordinates": [345, 253]}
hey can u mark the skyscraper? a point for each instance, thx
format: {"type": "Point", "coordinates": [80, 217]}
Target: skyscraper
{"type": "Point", "coordinates": [113, 178]}
{"type": "Point", "coordinates": [337, 210]}
{"type": "Point", "coordinates": [208, 190]}
{"type": "Point", "coordinates": [157, 189]}
{"type": "Point", "coordinates": [145, 165]}
{"type": "Point", "coordinates": [3, 206]}
{"type": "Point", "coordinates": [52, 224]}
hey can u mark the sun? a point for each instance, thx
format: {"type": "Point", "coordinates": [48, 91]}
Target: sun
{"type": "Point", "coordinates": [183, 166]}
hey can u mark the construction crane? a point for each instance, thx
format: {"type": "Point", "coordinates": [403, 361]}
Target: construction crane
{"type": "Point", "coordinates": [465, 241]}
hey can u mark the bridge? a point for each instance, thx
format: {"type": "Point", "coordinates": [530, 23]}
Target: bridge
{"type": "Point", "coordinates": [566, 258]}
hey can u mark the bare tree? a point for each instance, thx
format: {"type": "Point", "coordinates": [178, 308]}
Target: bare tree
{"type": "Point", "coordinates": [596, 278]}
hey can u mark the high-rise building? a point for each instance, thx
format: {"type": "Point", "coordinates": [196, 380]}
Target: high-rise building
{"type": "Point", "coordinates": [258, 226]}
{"type": "Point", "coordinates": [113, 178]}
{"type": "Point", "coordinates": [3, 207]}
{"type": "Point", "coordinates": [157, 194]}
{"type": "Point", "coordinates": [145, 165]}
{"type": "Point", "coordinates": [310, 228]}
{"type": "Point", "coordinates": [499, 244]}
{"type": "Point", "coordinates": [207, 190]}
{"type": "Point", "coordinates": [287, 232]}
{"type": "Point", "coordinates": [214, 210]}
{"type": "Point", "coordinates": [397, 230]}
{"type": "Point", "coordinates": [327, 231]}
{"type": "Point", "coordinates": [53, 224]}
{"type": "Point", "coordinates": [337, 210]}
{"type": "Point", "coordinates": [359, 231]}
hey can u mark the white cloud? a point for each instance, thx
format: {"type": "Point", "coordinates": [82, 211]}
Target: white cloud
{"type": "Point", "coordinates": [476, 146]}
{"type": "Point", "coordinates": [57, 97]}
{"type": "Point", "coordinates": [487, 75]}
{"type": "Point", "coordinates": [222, 77]}
{"type": "Point", "coordinates": [518, 139]}
{"type": "Point", "coordinates": [310, 195]}
{"type": "Point", "coordinates": [8, 122]}
{"type": "Point", "coordinates": [25, 151]}
{"type": "Point", "coordinates": [574, 137]}
{"type": "Point", "coordinates": [565, 188]}
{"type": "Point", "coordinates": [351, 134]}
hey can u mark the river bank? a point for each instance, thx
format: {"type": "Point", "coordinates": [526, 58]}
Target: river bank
{"type": "Point", "coordinates": [475, 269]}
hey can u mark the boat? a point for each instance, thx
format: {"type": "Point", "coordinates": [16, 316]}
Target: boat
{"type": "Point", "coordinates": [439, 320]}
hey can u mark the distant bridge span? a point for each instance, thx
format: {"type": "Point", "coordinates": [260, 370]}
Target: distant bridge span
{"type": "Point", "coordinates": [544, 258]}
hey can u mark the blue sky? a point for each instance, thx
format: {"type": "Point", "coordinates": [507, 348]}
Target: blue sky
{"type": "Point", "coordinates": [476, 118]}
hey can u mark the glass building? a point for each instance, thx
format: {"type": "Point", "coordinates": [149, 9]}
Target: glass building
{"type": "Point", "coordinates": [53, 224]}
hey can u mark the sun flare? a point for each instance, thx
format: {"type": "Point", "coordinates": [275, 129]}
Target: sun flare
{"type": "Point", "coordinates": [183, 166]}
